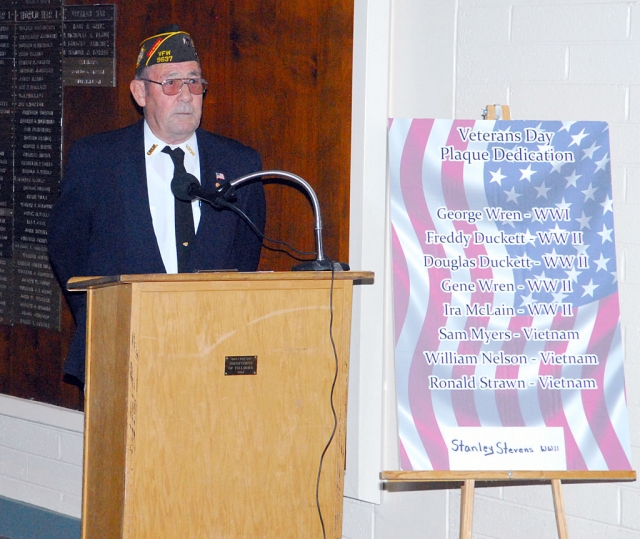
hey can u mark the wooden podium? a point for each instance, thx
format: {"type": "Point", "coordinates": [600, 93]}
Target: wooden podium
{"type": "Point", "coordinates": [209, 405]}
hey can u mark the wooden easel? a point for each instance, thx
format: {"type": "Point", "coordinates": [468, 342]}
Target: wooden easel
{"type": "Point", "coordinates": [496, 112]}
{"type": "Point", "coordinates": [466, 509]}
{"type": "Point", "coordinates": [470, 478]}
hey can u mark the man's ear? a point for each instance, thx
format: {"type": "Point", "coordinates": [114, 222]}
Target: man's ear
{"type": "Point", "coordinates": [139, 92]}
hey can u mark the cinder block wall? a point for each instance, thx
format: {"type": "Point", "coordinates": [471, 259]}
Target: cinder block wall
{"type": "Point", "coordinates": [41, 455]}
{"type": "Point", "coordinates": [565, 60]}
{"type": "Point", "coordinates": [546, 59]}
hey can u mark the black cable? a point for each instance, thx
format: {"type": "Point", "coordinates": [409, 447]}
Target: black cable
{"type": "Point", "coordinates": [228, 205]}
{"type": "Point", "coordinates": [224, 203]}
{"type": "Point", "coordinates": [333, 410]}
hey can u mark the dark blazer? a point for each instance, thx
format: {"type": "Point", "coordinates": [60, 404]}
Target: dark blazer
{"type": "Point", "coordinates": [102, 225]}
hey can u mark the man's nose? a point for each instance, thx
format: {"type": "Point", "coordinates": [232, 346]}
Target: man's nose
{"type": "Point", "coordinates": [184, 94]}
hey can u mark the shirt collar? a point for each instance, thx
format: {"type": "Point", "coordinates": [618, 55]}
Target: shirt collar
{"type": "Point", "coordinates": [153, 145]}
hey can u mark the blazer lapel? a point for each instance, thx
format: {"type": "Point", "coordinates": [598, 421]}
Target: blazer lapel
{"type": "Point", "coordinates": [132, 180]}
{"type": "Point", "coordinates": [214, 237]}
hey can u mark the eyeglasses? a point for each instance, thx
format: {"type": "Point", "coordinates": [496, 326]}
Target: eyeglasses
{"type": "Point", "coordinates": [196, 86]}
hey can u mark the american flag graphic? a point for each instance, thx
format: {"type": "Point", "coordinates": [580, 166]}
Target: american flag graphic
{"type": "Point", "coordinates": [504, 273]}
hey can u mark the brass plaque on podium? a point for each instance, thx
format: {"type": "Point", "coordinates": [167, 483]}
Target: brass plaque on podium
{"type": "Point", "coordinates": [239, 365]}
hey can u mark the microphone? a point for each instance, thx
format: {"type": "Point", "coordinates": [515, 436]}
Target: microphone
{"type": "Point", "coordinates": [186, 187]}
{"type": "Point", "coordinates": [321, 263]}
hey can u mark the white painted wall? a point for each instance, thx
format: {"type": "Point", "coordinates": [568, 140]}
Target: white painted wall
{"type": "Point", "coordinates": [41, 455]}
{"type": "Point", "coordinates": [568, 60]}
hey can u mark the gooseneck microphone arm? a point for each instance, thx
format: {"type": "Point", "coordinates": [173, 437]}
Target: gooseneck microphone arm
{"type": "Point", "coordinates": [187, 187]}
{"type": "Point", "coordinates": [317, 216]}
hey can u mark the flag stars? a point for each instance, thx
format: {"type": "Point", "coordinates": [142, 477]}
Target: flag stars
{"type": "Point", "coordinates": [566, 126]}
{"type": "Point", "coordinates": [497, 177]}
{"type": "Point", "coordinates": [606, 234]}
{"type": "Point", "coordinates": [558, 297]}
{"type": "Point", "coordinates": [572, 207]}
{"type": "Point", "coordinates": [581, 249]}
{"type": "Point", "coordinates": [589, 289]}
{"type": "Point", "coordinates": [577, 139]}
{"type": "Point", "coordinates": [602, 164]}
{"type": "Point", "coordinates": [583, 221]}
{"type": "Point", "coordinates": [542, 190]}
{"type": "Point", "coordinates": [589, 192]}
{"type": "Point", "coordinates": [512, 196]}
{"type": "Point", "coordinates": [540, 277]}
{"type": "Point", "coordinates": [572, 179]}
{"type": "Point", "coordinates": [563, 205]}
{"type": "Point", "coordinates": [601, 263]}
{"type": "Point", "coordinates": [525, 257]}
{"type": "Point", "coordinates": [545, 147]}
{"type": "Point", "coordinates": [527, 173]}
{"type": "Point", "coordinates": [530, 238]}
{"type": "Point", "coordinates": [590, 151]}
{"type": "Point", "coordinates": [573, 274]}
{"type": "Point", "coordinates": [607, 205]}
{"type": "Point", "coordinates": [535, 218]}
{"type": "Point", "coordinates": [527, 300]}
{"type": "Point", "coordinates": [556, 166]}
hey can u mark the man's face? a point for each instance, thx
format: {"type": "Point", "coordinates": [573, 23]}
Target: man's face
{"type": "Point", "coordinates": [172, 118]}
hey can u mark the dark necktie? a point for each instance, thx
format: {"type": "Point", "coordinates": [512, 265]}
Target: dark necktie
{"type": "Point", "coordinates": [185, 230]}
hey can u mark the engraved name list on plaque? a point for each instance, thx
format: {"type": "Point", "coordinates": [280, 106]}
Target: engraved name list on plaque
{"type": "Point", "coordinates": [89, 54]}
{"type": "Point", "coordinates": [43, 46]}
{"type": "Point", "coordinates": [31, 97]}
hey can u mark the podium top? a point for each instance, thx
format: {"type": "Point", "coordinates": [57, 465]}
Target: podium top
{"type": "Point", "coordinates": [84, 283]}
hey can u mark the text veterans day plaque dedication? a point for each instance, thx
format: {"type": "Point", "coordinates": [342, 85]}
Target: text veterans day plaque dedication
{"type": "Point", "coordinates": [507, 326]}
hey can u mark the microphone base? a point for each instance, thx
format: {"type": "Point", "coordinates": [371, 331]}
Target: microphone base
{"type": "Point", "coordinates": [321, 265]}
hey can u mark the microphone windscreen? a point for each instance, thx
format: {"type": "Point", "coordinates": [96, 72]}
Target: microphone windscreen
{"type": "Point", "coordinates": [182, 186]}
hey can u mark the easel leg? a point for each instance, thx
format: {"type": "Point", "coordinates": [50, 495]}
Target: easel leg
{"type": "Point", "coordinates": [558, 503]}
{"type": "Point", "coordinates": [466, 508]}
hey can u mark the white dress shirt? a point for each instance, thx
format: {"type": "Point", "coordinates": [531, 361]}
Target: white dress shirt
{"type": "Point", "coordinates": [161, 200]}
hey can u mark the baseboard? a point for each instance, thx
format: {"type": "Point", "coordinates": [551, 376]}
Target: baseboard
{"type": "Point", "coordinates": [20, 520]}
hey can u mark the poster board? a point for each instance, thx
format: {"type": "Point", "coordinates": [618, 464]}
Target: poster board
{"type": "Point", "coordinates": [507, 326]}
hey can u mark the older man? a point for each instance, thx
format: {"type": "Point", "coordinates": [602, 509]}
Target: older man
{"type": "Point", "coordinates": [116, 213]}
